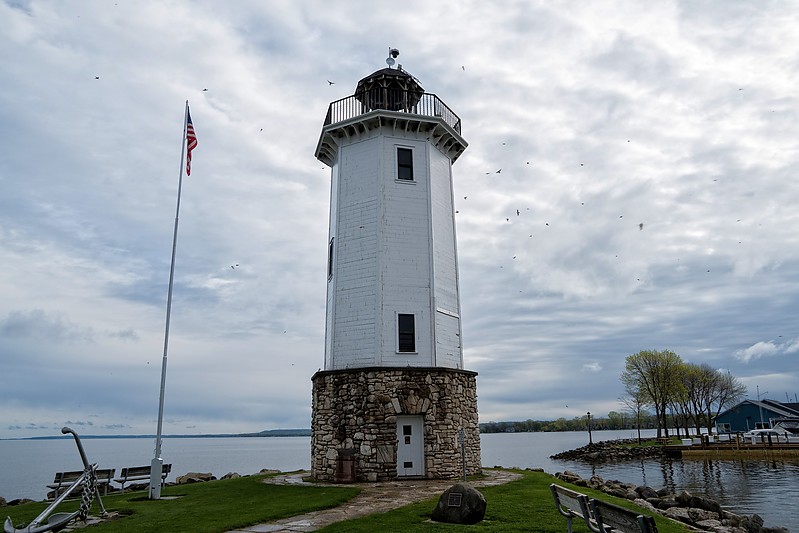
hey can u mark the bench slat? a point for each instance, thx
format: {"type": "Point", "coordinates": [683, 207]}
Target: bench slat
{"type": "Point", "coordinates": [139, 473]}
{"type": "Point", "coordinates": [572, 504]}
{"type": "Point", "coordinates": [611, 517]}
{"type": "Point", "coordinates": [64, 480]}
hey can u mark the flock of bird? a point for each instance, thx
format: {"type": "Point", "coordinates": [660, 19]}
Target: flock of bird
{"type": "Point", "coordinates": [496, 172]}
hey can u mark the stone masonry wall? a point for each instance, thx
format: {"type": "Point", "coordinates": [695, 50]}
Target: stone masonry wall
{"type": "Point", "coordinates": [358, 409]}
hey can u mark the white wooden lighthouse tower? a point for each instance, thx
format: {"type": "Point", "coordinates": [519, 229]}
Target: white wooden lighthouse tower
{"type": "Point", "coordinates": [393, 399]}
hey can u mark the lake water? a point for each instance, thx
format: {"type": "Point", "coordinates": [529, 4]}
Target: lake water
{"type": "Point", "coordinates": [769, 489]}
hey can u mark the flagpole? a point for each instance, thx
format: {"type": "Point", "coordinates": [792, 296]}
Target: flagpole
{"type": "Point", "coordinates": [157, 463]}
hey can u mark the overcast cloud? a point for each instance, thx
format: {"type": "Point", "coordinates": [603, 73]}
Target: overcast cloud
{"type": "Point", "coordinates": [647, 199]}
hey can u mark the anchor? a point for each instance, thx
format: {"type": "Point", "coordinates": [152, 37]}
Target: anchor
{"type": "Point", "coordinates": [49, 521]}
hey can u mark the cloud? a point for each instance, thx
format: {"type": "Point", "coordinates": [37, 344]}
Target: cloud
{"type": "Point", "coordinates": [766, 349]}
{"type": "Point", "coordinates": [80, 423]}
{"type": "Point", "coordinates": [43, 326]}
{"type": "Point", "coordinates": [592, 367]}
{"type": "Point", "coordinates": [125, 334]}
{"type": "Point", "coordinates": [648, 148]}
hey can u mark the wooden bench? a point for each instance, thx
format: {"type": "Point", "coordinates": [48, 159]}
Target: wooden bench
{"type": "Point", "coordinates": [572, 505]}
{"type": "Point", "coordinates": [612, 518]}
{"type": "Point", "coordinates": [140, 473]}
{"type": "Point", "coordinates": [663, 441]}
{"type": "Point", "coordinates": [64, 480]}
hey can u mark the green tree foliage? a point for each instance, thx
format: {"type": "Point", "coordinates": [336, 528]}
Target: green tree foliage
{"type": "Point", "coordinates": [692, 394]}
{"type": "Point", "coordinates": [615, 420]}
{"type": "Point", "coordinates": [701, 382]}
{"type": "Point", "coordinates": [651, 373]}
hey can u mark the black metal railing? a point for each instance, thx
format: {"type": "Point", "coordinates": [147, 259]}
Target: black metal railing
{"type": "Point", "coordinates": [411, 102]}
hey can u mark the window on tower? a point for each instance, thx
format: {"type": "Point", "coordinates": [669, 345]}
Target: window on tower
{"type": "Point", "coordinates": [405, 164]}
{"type": "Point", "coordinates": [406, 333]}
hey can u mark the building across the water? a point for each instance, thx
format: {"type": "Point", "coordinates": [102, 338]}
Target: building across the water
{"type": "Point", "coordinates": [753, 414]}
{"type": "Point", "coordinates": [393, 399]}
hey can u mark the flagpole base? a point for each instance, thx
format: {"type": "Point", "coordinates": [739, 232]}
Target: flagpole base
{"type": "Point", "coordinates": [156, 468]}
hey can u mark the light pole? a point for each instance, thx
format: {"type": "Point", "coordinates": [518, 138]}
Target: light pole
{"type": "Point", "coordinates": [590, 441]}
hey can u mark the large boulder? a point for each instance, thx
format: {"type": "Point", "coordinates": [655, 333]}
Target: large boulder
{"type": "Point", "coordinates": [753, 524]}
{"type": "Point", "coordinates": [687, 499]}
{"type": "Point", "coordinates": [647, 492]}
{"type": "Point", "coordinates": [18, 501]}
{"type": "Point", "coordinates": [699, 515]}
{"type": "Point", "coordinates": [460, 504]}
{"type": "Point", "coordinates": [194, 477]}
{"type": "Point", "coordinates": [678, 513]}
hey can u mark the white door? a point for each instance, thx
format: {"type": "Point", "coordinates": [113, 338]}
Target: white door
{"type": "Point", "coordinates": [410, 446]}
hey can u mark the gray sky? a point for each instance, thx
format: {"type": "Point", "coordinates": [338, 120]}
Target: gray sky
{"type": "Point", "coordinates": [649, 148]}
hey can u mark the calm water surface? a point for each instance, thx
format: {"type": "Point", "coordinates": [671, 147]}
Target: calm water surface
{"type": "Point", "coordinates": [744, 486]}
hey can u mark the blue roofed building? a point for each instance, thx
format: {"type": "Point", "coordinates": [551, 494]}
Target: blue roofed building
{"type": "Point", "coordinates": [754, 414]}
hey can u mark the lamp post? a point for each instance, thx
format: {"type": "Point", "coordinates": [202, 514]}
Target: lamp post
{"type": "Point", "coordinates": [590, 441]}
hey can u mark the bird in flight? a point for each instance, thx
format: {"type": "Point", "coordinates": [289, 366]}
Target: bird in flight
{"type": "Point", "coordinates": [331, 82]}
{"type": "Point", "coordinates": [234, 266]}
{"type": "Point", "coordinates": [97, 77]}
{"type": "Point", "coordinates": [205, 90]}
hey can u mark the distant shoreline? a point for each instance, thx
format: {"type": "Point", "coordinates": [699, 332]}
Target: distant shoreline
{"type": "Point", "coordinates": [266, 433]}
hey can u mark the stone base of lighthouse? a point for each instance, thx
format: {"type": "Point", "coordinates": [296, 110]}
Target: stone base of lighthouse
{"type": "Point", "coordinates": [377, 424]}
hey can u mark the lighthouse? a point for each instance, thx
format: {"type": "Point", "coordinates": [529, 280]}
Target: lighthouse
{"type": "Point", "coordinates": [394, 399]}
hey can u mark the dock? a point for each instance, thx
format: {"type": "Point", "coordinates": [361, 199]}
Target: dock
{"type": "Point", "coordinates": [732, 449]}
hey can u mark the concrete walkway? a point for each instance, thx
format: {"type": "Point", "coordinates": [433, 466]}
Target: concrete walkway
{"type": "Point", "coordinates": [374, 498]}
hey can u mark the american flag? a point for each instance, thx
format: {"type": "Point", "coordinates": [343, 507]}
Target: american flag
{"type": "Point", "coordinates": [191, 141]}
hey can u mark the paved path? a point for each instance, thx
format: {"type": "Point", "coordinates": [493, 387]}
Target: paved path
{"type": "Point", "coordinates": [374, 498]}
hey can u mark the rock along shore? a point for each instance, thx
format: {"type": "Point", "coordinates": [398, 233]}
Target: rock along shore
{"type": "Point", "coordinates": [610, 451]}
{"type": "Point", "coordinates": [699, 512]}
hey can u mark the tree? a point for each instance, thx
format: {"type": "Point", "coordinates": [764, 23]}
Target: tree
{"type": "Point", "coordinates": [679, 399]}
{"type": "Point", "coordinates": [727, 392]}
{"type": "Point", "coordinates": [704, 381]}
{"type": "Point", "coordinates": [615, 420]}
{"type": "Point", "coordinates": [652, 373]}
{"type": "Point", "coordinates": [635, 401]}
{"type": "Point", "coordinates": [694, 393]}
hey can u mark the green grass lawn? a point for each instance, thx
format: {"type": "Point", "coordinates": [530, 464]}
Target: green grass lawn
{"type": "Point", "coordinates": [219, 506]}
{"type": "Point", "coordinates": [522, 505]}
{"type": "Point", "coordinates": [210, 507]}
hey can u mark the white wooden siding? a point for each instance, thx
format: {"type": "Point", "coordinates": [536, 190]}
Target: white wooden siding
{"type": "Point", "coordinates": [445, 272]}
{"type": "Point", "coordinates": [394, 252]}
{"type": "Point", "coordinates": [355, 294]}
{"type": "Point", "coordinates": [405, 248]}
{"type": "Point", "coordinates": [331, 282]}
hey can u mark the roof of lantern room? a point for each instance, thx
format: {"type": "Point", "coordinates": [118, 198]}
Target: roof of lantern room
{"type": "Point", "coordinates": [389, 75]}
{"type": "Point", "coordinates": [390, 97]}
